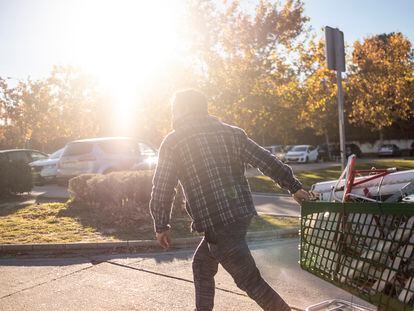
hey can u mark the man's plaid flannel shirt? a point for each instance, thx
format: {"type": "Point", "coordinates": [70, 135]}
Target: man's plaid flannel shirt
{"type": "Point", "coordinates": [208, 157]}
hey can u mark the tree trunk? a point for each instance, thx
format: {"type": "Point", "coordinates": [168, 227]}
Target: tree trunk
{"type": "Point", "coordinates": [381, 137]}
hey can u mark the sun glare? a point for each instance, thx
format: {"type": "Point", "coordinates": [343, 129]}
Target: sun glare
{"type": "Point", "coordinates": [123, 43]}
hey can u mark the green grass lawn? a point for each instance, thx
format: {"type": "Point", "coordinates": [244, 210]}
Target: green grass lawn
{"type": "Point", "coordinates": [308, 178]}
{"type": "Point", "coordinates": [63, 223]}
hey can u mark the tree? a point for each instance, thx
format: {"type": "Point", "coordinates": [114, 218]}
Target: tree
{"type": "Point", "coordinates": [382, 81]}
{"type": "Point", "coordinates": [245, 60]}
{"type": "Point", "coordinates": [75, 102]}
{"type": "Point", "coordinates": [46, 113]}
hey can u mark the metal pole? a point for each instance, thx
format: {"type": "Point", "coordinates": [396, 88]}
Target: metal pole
{"type": "Point", "coordinates": [341, 119]}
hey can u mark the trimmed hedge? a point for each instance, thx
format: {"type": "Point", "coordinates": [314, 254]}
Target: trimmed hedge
{"type": "Point", "coordinates": [118, 198]}
{"type": "Point", "coordinates": [15, 178]}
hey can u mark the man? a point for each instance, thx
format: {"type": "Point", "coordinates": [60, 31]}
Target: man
{"type": "Point", "coordinates": [208, 158]}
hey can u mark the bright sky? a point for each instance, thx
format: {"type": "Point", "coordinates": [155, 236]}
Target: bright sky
{"type": "Point", "coordinates": [361, 18]}
{"type": "Point", "coordinates": [123, 42]}
{"type": "Point", "coordinates": [35, 34]}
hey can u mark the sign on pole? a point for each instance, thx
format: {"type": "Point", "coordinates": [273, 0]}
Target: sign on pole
{"type": "Point", "coordinates": [335, 49]}
{"type": "Point", "coordinates": [335, 58]}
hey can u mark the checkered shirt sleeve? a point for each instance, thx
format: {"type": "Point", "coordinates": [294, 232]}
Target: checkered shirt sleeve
{"type": "Point", "coordinates": [164, 183]}
{"type": "Point", "coordinates": [269, 165]}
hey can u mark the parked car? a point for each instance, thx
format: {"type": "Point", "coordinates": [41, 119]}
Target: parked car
{"type": "Point", "coordinates": [282, 154]}
{"type": "Point", "coordinates": [389, 150]}
{"type": "Point", "coordinates": [353, 149]}
{"type": "Point", "coordinates": [323, 154]}
{"type": "Point", "coordinates": [46, 169]}
{"type": "Point", "coordinates": [274, 148]}
{"type": "Point", "coordinates": [302, 154]}
{"type": "Point", "coordinates": [104, 155]}
{"type": "Point", "coordinates": [349, 149]}
{"type": "Point", "coordinates": [279, 151]}
{"type": "Point", "coordinates": [25, 155]}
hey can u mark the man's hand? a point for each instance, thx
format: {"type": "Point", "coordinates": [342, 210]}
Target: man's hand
{"type": "Point", "coordinates": [301, 195]}
{"type": "Point", "coordinates": [164, 239]}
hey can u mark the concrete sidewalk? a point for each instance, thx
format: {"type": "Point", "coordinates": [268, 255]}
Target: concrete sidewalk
{"type": "Point", "coordinates": [157, 281]}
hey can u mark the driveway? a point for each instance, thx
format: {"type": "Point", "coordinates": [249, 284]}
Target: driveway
{"type": "Point", "coordinates": [158, 281]}
{"type": "Point", "coordinates": [276, 205]}
{"type": "Point", "coordinates": [51, 191]}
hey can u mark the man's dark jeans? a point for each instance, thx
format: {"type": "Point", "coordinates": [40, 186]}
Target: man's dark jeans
{"type": "Point", "coordinates": [228, 247]}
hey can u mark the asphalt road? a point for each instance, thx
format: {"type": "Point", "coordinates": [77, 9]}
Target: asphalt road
{"type": "Point", "coordinates": [158, 281]}
{"type": "Point", "coordinates": [276, 205]}
{"type": "Point", "coordinates": [268, 204]}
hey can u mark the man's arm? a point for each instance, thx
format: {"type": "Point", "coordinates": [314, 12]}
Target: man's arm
{"type": "Point", "coordinates": [270, 166]}
{"type": "Point", "coordinates": [163, 189]}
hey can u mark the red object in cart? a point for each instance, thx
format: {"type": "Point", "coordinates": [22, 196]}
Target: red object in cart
{"type": "Point", "coordinates": [351, 173]}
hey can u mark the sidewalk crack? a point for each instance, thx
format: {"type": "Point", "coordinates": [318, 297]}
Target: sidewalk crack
{"type": "Point", "coordinates": [45, 282]}
{"type": "Point", "coordinates": [172, 277]}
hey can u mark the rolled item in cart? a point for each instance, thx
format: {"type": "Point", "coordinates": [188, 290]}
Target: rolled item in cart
{"type": "Point", "coordinates": [380, 187]}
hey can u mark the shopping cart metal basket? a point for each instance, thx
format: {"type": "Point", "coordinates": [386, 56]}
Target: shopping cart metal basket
{"type": "Point", "coordinates": [363, 248]}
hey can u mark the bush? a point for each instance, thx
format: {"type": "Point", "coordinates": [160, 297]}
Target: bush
{"type": "Point", "coordinates": [15, 178]}
{"type": "Point", "coordinates": [118, 198]}
{"type": "Point", "coordinates": [78, 187]}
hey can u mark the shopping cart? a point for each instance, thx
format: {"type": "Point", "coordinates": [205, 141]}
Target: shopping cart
{"type": "Point", "coordinates": [337, 305]}
{"type": "Point", "coordinates": [363, 248]}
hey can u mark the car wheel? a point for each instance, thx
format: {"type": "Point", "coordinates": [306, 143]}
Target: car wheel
{"type": "Point", "coordinates": [307, 159]}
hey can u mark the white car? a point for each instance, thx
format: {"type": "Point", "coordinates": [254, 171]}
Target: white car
{"type": "Point", "coordinates": [279, 151]}
{"type": "Point", "coordinates": [302, 154]}
{"type": "Point", "coordinates": [105, 155]}
{"type": "Point", "coordinates": [47, 168]}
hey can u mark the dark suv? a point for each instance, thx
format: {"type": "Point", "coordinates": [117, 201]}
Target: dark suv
{"type": "Point", "coordinates": [353, 149]}
{"type": "Point", "coordinates": [335, 151]}
{"type": "Point", "coordinates": [26, 156]}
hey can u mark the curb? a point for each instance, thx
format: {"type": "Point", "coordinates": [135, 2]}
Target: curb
{"type": "Point", "coordinates": [133, 245]}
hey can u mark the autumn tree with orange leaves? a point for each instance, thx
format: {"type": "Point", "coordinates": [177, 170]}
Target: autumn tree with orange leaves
{"type": "Point", "coordinates": [381, 81]}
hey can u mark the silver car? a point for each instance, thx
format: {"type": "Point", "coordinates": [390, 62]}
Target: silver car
{"type": "Point", "coordinates": [47, 168]}
{"type": "Point", "coordinates": [105, 155]}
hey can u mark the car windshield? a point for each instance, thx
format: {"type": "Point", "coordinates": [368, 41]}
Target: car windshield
{"type": "Point", "coordinates": [299, 148]}
{"type": "Point", "coordinates": [122, 146]}
{"type": "Point", "coordinates": [56, 154]}
{"type": "Point", "coordinates": [74, 149]}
